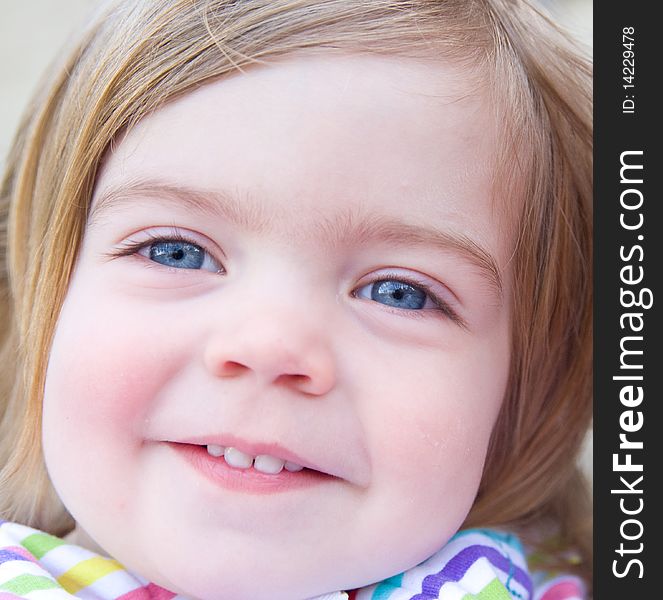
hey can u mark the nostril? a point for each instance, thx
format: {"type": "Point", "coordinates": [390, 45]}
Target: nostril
{"type": "Point", "coordinates": [307, 369]}
{"type": "Point", "coordinates": [231, 368]}
{"type": "Point", "coordinates": [295, 379]}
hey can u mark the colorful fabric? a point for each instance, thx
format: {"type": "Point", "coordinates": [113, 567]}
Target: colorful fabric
{"type": "Point", "coordinates": [474, 565]}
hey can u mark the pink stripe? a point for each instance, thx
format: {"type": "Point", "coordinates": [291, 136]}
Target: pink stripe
{"type": "Point", "coordinates": [8, 596]}
{"type": "Point", "coordinates": [149, 592]}
{"type": "Point", "coordinates": [563, 590]}
{"type": "Point", "coordinates": [159, 593]}
{"type": "Point", "coordinates": [139, 594]}
{"type": "Point", "coordinates": [22, 552]}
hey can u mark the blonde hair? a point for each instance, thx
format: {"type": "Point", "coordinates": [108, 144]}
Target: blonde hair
{"type": "Point", "coordinates": [138, 55]}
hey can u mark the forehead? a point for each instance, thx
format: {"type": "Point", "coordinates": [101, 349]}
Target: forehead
{"type": "Point", "coordinates": [310, 137]}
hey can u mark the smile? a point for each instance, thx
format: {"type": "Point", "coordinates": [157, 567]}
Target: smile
{"type": "Point", "coordinates": [238, 471]}
{"type": "Point", "coordinates": [265, 463]}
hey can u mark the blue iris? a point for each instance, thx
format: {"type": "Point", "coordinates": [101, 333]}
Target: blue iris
{"type": "Point", "coordinates": [181, 255]}
{"type": "Point", "coordinates": [398, 294]}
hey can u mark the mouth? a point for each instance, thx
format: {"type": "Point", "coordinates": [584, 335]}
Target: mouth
{"type": "Point", "coordinates": [264, 463]}
{"type": "Point", "coordinates": [260, 473]}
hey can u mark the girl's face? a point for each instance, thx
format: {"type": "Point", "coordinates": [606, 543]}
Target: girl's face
{"type": "Point", "coordinates": [302, 263]}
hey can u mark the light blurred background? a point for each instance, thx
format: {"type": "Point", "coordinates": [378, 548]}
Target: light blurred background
{"type": "Point", "coordinates": [32, 32]}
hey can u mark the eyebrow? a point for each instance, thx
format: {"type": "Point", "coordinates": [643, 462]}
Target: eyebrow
{"type": "Point", "coordinates": [344, 230]}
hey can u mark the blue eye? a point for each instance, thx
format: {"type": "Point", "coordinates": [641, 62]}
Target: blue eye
{"type": "Point", "coordinates": [178, 254]}
{"type": "Point", "coordinates": [174, 251]}
{"type": "Point", "coordinates": [397, 294]}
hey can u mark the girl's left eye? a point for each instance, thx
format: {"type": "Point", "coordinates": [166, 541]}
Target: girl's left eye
{"type": "Point", "coordinates": [410, 297]}
{"type": "Point", "coordinates": [398, 294]}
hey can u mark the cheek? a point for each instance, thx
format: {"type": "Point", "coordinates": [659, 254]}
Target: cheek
{"type": "Point", "coordinates": [428, 418]}
{"type": "Point", "coordinates": [109, 360]}
{"type": "Point", "coordinates": [435, 422]}
{"type": "Point", "coordinates": [94, 377]}
{"type": "Point", "coordinates": [101, 381]}
{"type": "Point", "coordinates": [440, 452]}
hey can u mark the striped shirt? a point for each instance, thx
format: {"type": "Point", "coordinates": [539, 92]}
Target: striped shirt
{"type": "Point", "coordinates": [474, 565]}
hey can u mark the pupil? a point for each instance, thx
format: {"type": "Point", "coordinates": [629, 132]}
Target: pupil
{"type": "Point", "coordinates": [399, 294]}
{"type": "Point", "coordinates": [178, 254]}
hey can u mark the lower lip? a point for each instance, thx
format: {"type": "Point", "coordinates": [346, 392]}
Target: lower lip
{"type": "Point", "coordinates": [248, 480]}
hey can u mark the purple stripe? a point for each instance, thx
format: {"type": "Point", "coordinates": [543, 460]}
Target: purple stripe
{"type": "Point", "coordinates": [15, 553]}
{"type": "Point", "coordinates": [454, 570]}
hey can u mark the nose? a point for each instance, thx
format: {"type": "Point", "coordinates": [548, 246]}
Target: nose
{"type": "Point", "coordinates": [277, 350]}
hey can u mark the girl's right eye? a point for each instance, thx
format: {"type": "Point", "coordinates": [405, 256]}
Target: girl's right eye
{"type": "Point", "coordinates": [181, 255]}
{"type": "Point", "coordinates": [175, 252]}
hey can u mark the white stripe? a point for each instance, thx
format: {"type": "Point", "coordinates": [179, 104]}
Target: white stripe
{"type": "Point", "coordinates": [18, 532]}
{"type": "Point", "coordinates": [413, 579]}
{"type": "Point", "coordinates": [478, 576]}
{"type": "Point", "coordinates": [62, 558]}
{"type": "Point", "coordinates": [452, 591]}
{"type": "Point", "coordinates": [486, 570]}
{"type": "Point", "coordinates": [110, 586]}
{"type": "Point", "coordinates": [16, 568]}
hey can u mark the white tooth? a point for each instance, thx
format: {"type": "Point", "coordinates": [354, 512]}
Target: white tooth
{"type": "Point", "coordinates": [268, 464]}
{"type": "Point", "coordinates": [292, 467]}
{"type": "Point", "coordinates": [215, 450]}
{"type": "Point", "coordinates": [236, 458]}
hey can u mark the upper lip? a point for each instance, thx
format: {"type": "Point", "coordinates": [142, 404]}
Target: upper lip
{"type": "Point", "coordinates": [326, 465]}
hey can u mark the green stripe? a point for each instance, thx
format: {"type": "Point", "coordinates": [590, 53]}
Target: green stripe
{"type": "Point", "coordinates": [24, 584]}
{"type": "Point", "coordinates": [38, 544]}
{"type": "Point", "coordinates": [495, 590]}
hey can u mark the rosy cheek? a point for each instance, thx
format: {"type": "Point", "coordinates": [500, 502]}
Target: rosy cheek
{"type": "Point", "coordinates": [98, 389]}
{"type": "Point", "coordinates": [100, 378]}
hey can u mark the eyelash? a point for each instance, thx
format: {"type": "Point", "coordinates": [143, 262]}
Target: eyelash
{"type": "Point", "coordinates": [131, 248]}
